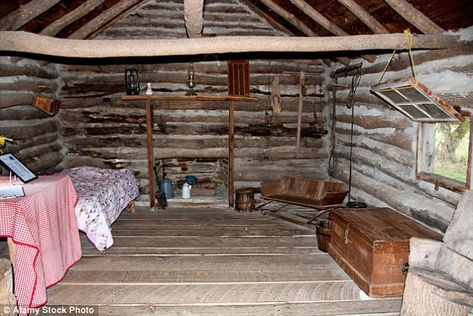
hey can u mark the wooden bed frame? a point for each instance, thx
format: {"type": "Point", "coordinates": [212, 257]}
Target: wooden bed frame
{"type": "Point", "coordinates": [131, 207]}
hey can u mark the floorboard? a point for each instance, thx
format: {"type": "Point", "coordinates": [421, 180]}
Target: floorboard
{"type": "Point", "coordinates": [209, 261]}
{"type": "Point", "coordinates": [327, 308]}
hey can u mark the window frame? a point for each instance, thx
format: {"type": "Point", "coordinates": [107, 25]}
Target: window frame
{"type": "Point", "coordinates": [423, 159]}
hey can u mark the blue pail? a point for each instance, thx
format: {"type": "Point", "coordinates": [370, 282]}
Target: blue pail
{"type": "Point", "coordinates": [166, 186]}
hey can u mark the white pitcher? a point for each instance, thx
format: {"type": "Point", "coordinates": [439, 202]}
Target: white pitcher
{"type": "Point", "coordinates": [186, 191]}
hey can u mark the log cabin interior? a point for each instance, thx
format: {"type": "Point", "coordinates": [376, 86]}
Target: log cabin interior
{"type": "Point", "coordinates": [243, 133]}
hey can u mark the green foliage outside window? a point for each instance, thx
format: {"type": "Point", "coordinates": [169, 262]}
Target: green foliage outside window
{"type": "Point", "coordinates": [451, 149]}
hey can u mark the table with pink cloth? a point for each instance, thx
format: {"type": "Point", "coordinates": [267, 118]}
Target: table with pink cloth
{"type": "Point", "coordinates": [42, 225]}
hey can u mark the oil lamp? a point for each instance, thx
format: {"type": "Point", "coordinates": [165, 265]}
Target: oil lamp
{"type": "Point", "coordinates": [132, 82]}
{"type": "Point", "coordinates": [191, 79]}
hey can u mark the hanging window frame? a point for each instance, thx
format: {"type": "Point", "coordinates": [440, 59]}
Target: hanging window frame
{"type": "Point", "coordinates": [413, 99]}
{"type": "Point", "coordinates": [425, 160]}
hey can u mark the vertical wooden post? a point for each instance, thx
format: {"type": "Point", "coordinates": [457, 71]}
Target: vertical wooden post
{"type": "Point", "coordinates": [149, 145]}
{"type": "Point", "coordinates": [231, 153]}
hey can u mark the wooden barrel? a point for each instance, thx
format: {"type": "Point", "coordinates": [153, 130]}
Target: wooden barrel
{"type": "Point", "coordinates": [322, 231]}
{"type": "Point", "coordinates": [245, 200]}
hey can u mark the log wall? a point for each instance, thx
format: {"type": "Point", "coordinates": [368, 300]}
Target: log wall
{"type": "Point", "coordinates": [102, 130]}
{"type": "Point", "coordinates": [385, 141]}
{"type": "Point", "coordinates": [36, 134]}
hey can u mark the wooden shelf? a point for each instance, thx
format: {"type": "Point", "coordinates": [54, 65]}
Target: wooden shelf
{"type": "Point", "coordinates": [188, 97]}
{"type": "Point", "coordinates": [149, 133]}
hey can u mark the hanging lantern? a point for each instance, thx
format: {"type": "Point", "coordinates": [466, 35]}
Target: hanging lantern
{"type": "Point", "coordinates": [132, 82]}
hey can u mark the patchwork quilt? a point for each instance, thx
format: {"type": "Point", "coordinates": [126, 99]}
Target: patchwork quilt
{"type": "Point", "coordinates": [102, 195]}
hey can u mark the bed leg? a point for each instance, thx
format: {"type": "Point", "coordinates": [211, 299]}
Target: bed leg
{"type": "Point", "coordinates": [131, 207]}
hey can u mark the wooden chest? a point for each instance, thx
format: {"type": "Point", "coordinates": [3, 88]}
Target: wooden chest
{"type": "Point", "coordinates": [372, 246]}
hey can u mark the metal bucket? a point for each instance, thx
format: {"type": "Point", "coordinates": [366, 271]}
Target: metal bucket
{"type": "Point", "coordinates": [166, 186]}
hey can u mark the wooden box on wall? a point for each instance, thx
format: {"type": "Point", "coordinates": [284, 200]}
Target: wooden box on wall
{"type": "Point", "coordinates": [372, 247]}
{"type": "Point", "coordinates": [238, 77]}
{"type": "Point", "coordinates": [45, 104]}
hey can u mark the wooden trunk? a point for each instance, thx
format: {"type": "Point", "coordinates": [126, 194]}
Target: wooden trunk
{"type": "Point", "coordinates": [372, 246]}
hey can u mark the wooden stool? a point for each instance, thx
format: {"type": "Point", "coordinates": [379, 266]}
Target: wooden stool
{"type": "Point", "coordinates": [245, 200]}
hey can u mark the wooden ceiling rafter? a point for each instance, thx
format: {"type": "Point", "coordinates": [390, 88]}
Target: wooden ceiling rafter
{"type": "Point", "coordinates": [358, 11]}
{"type": "Point", "coordinates": [267, 17]}
{"type": "Point", "coordinates": [415, 17]}
{"type": "Point", "coordinates": [82, 10]}
{"type": "Point", "coordinates": [318, 17]}
{"type": "Point", "coordinates": [25, 13]}
{"type": "Point", "coordinates": [194, 17]}
{"type": "Point", "coordinates": [324, 22]}
{"type": "Point", "coordinates": [120, 16]}
{"type": "Point", "coordinates": [103, 20]}
{"type": "Point", "coordinates": [275, 23]}
{"type": "Point", "coordinates": [291, 18]}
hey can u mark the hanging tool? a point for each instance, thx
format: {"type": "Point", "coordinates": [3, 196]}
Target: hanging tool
{"type": "Point", "coordinates": [318, 126]}
{"type": "Point", "coordinates": [160, 194]}
{"type": "Point", "coordinates": [299, 110]}
{"type": "Point", "coordinates": [269, 108]}
{"type": "Point", "coordinates": [275, 95]}
{"type": "Point", "coordinates": [350, 102]}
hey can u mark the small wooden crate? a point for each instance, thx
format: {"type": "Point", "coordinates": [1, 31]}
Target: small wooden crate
{"type": "Point", "coordinates": [45, 104]}
{"type": "Point", "coordinates": [372, 246]}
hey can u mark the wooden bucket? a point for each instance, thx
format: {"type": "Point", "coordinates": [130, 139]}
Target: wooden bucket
{"type": "Point", "coordinates": [245, 200]}
{"type": "Point", "coordinates": [322, 231]}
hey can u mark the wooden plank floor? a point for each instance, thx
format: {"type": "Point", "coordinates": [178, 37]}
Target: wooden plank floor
{"type": "Point", "coordinates": [204, 261]}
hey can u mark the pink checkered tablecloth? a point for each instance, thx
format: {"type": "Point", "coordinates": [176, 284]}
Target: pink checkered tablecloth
{"type": "Point", "coordinates": [43, 226]}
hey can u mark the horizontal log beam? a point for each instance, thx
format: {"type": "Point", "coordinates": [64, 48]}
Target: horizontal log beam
{"type": "Point", "coordinates": [189, 97]}
{"type": "Point", "coordinates": [23, 42]}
